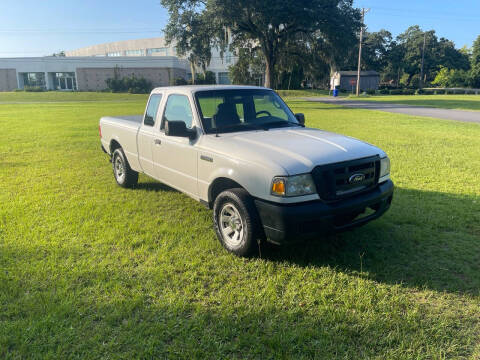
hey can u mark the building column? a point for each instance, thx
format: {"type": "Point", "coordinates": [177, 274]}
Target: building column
{"type": "Point", "coordinates": [49, 81]}
{"type": "Point", "coordinates": [20, 82]}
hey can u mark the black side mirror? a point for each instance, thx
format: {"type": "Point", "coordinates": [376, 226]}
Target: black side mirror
{"type": "Point", "coordinates": [301, 118]}
{"type": "Point", "coordinates": [179, 128]}
{"type": "Point", "coordinates": [148, 121]}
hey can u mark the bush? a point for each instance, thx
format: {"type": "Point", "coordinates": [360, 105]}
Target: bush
{"type": "Point", "coordinates": [206, 79]}
{"type": "Point", "coordinates": [424, 92]}
{"type": "Point", "coordinates": [408, 92]}
{"type": "Point", "coordinates": [440, 92]}
{"type": "Point", "coordinates": [384, 91]}
{"type": "Point", "coordinates": [371, 92]}
{"type": "Point", "coordinates": [396, 92]}
{"type": "Point", "coordinates": [131, 84]}
{"type": "Point", "coordinates": [180, 81]}
{"type": "Point", "coordinates": [33, 89]}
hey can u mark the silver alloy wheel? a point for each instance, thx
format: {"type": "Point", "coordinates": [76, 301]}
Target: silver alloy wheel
{"type": "Point", "coordinates": [231, 225]}
{"type": "Point", "coordinates": [119, 169]}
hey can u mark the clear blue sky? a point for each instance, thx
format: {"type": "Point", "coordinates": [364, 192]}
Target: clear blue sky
{"type": "Point", "coordinates": [41, 27]}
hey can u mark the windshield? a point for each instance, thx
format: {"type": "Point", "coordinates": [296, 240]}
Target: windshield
{"type": "Point", "coordinates": [243, 109]}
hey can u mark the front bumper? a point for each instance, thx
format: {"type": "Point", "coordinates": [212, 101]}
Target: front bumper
{"type": "Point", "coordinates": [289, 222]}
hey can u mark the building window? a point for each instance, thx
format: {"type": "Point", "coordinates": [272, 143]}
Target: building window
{"type": "Point", "coordinates": [65, 81]}
{"type": "Point", "coordinates": [116, 53]}
{"type": "Point", "coordinates": [223, 78]}
{"type": "Point", "coordinates": [134, 53]}
{"type": "Point", "coordinates": [36, 79]}
{"type": "Point", "coordinates": [157, 52]}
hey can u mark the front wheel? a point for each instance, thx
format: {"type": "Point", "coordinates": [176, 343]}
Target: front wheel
{"type": "Point", "coordinates": [236, 222]}
{"type": "Point", "coordinates": [124, 175]}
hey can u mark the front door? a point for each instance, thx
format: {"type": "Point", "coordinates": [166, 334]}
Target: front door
{"type": "Point", "coordinates": [175, 157]}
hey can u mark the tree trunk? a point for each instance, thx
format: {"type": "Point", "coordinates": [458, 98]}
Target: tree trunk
{"type": "Point", "coordinates": [192, 69]}
{"type": "Point", "coordinates": [268, 73]}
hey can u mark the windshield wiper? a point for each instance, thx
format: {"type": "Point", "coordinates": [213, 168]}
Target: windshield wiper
{"type": "Point", "coordinates": [282, 122]}
{"type": "Point", "coordinates": [240, 127]}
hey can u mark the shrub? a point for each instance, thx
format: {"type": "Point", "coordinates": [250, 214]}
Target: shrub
{"type": "Point", "coordinates": [396, 92]}
{"type": "Point", "coordinates": [371, 92]}
{"type": "Point", "coordinates": [439, 91]}
{"type": "Point", "coordinates": [384, 91]}
{"type": "Point", "coordinates": [206, 79]}
{"type": "Point", "coordinates": [180, 81]}
{"type": "Point", "coordinates": [33, 89]}
{"type": "Point", "coordinates": [408, 91]}
{"type": "Point", "coordinates": [426, 92]}
{"type": "Point", "coordinates": [131, 84]}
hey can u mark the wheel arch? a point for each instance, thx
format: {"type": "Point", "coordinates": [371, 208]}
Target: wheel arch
{"type": "Point", "coordinates": [114, 145]}
{"type": "Point", "coordinates": [219, 185]}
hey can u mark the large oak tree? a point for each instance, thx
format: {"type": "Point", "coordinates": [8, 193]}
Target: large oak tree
{"type": "Point", "coordinates": [268, 24]}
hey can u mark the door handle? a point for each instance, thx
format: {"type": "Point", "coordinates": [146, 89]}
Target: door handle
{"type": "Point", "coordinates": [158, 142]}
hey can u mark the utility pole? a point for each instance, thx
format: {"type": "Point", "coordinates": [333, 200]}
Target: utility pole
{"type": "Point", "coordinates": [420, 83]}
{"type": "Point", "coordinates": [364, 11]}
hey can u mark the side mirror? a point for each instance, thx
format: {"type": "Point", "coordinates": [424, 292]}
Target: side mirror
{"type": "Point", "coordinates": [179, 128]}
{"type": "Point", "coordinates": [148, 121]}
{"type": "Point", "coordinates": [301, 118]}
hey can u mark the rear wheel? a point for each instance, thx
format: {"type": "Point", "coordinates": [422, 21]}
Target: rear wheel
{"type": "Point", "coordinates": [236, 222]}
{"type": "Point", "coordinates": [124, 175]}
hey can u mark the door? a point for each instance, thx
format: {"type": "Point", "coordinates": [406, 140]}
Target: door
{"type": "Point", "coordinates": [146, 135]}
{"type": "Point", "coordinates": [176, 157]}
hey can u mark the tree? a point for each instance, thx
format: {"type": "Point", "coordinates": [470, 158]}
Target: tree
{"type": "Point", "coordinates": [192, 32]}
{"type": "Point", "coordinates": [475, 64]}
{"type": "Point", "coordinates": [375, 49]}
{"type": "Point", "coordinates": [249, 68]}
{"type": "Point", "coordinates": [268, 24]}
{"type": "Point", "coordinates": [451, 77]}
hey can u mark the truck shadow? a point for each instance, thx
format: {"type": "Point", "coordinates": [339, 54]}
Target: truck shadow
{"type": "Point", "coordinates": [151, 185]}
{"type": "Point", "coordinates": [426, 240]}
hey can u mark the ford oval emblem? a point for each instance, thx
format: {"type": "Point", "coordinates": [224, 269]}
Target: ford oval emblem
{"type": "Point", "coordinates": [356, 178]}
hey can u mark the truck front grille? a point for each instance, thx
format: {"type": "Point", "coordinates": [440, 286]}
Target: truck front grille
{"type": "Point", "coordinates": [340, 180]}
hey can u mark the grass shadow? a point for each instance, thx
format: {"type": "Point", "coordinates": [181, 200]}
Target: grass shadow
{"type": "Point", "coordinates": [426, 240]}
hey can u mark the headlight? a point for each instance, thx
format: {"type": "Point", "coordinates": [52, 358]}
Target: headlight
{"type": "Point", "coordinates": [384, 167]}
{"type": "Point", "coordinates": [293, 185]}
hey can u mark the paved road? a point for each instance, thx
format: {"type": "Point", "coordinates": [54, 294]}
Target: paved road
{"type": "Point", "coordinates": [458, 115]}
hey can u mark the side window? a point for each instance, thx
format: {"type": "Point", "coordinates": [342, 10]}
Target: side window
{"type": "Point", "coordinates": [152, 109]}
{"type": "Point", "coordinates": [178, 109]}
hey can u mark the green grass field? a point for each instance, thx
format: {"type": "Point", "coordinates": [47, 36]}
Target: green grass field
{"type": "Point", "coordinates": [463, 102]}
{"type": "Point", "coordinates": [91, 270]}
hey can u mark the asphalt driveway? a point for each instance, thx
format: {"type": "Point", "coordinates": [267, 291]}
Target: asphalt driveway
{"type": "Point", "coordinates": [449, 114]}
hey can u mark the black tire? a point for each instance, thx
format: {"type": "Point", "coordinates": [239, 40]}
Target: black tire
{"type": "Point", "coordinates": [249, 229]}
{"type": "Point", "coordinates": [124, 175]}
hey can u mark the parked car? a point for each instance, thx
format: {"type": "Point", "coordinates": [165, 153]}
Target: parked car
{"type": "Point", "coordinates": [241, 151]}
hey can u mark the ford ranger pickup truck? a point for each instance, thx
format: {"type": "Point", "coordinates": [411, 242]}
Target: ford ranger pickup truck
{"type": "Point", "coordinates": [242, 152]}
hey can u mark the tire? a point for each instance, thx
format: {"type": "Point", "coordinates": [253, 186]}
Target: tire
{"type": "Point", "coordinates": [124, 175]}
{"type": "Point", "coordinates": [236, 222]}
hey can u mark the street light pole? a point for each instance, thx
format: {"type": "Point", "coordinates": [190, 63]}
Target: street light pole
{"type": "Point", "coordinates": [364, 11]}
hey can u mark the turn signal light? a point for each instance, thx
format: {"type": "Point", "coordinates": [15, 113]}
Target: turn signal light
{"type": "Point", "coordinates": [278, 187]}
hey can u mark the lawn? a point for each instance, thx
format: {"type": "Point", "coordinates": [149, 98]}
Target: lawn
{"type": "Point", "coordinates": [463, 102]}
{"type": "Point", "coordinates": [91, 270]}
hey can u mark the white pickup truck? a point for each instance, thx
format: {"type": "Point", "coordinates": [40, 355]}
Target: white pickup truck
{"type": "Point", "coordinates": [241, 151]}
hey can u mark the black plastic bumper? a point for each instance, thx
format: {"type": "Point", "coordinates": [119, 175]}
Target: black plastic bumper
{"type": "Point", "coordinates": [289, 222]}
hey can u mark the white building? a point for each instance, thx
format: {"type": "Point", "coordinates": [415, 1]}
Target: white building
{"type": "Point", "coordinates": [86, 73]}
{"type": "Point", "coordinates": [155, 47]}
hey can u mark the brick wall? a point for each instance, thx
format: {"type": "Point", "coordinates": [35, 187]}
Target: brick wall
{"type": "Point", "coordinates": [8, 79]}
{"type": "Point", "coordinates": [94, 79]}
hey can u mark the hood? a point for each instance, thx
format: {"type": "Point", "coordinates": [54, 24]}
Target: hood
{"type": "Point", "coordinates": [296, 150]}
